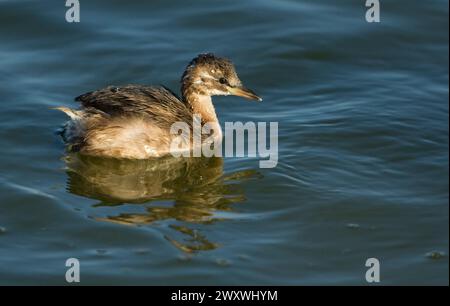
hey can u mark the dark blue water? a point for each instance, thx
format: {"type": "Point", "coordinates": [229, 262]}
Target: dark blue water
{"type": "Point", "coordinates": [363, 145]}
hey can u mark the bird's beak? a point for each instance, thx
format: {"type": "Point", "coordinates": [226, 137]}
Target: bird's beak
{"type": "Point", "coordinates": [244, 92]}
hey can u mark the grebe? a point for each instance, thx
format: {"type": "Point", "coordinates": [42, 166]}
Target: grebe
{"type": "Point", "coordinates": [134, 121]}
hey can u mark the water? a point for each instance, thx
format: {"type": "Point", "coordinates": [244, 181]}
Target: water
{"type": "Point", "coordinates": [363, 166]}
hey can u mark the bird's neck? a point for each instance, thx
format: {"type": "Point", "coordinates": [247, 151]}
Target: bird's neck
{"type": "Point", "coordinates": [202, 105]}
{"type": "Point", "coordinates": [198, 100]}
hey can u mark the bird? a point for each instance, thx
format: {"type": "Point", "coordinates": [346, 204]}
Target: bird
{"type": "Point", "coordinates": [134, 121]}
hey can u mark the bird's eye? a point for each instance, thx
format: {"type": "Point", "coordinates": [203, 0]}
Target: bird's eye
{"type": "Point", "coordinates": [223, 81]}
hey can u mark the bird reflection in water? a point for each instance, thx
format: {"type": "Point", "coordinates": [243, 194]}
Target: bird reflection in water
{"type": "Point", "coordinates": [197, 189]}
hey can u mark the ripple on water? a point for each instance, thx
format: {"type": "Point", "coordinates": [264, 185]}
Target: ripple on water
{"type": "Point", "coordinates": [363, 146]}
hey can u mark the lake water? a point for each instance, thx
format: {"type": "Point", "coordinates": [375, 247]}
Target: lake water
{"type": "Point", "coordinates": [363, 165]}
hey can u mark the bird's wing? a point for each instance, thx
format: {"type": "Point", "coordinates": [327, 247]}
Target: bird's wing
{"type": "Point", "coordinates": [133, 99]}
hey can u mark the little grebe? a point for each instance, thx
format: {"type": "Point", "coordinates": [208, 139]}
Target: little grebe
{"type": "Point", "coordinates": [134, 121]}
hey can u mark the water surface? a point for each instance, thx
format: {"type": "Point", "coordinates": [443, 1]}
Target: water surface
{"type": "Point", "coordinates": [363, 145]}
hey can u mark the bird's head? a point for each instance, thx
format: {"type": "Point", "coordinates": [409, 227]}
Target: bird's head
{"type": "Point", "coordinates": [210, 75]}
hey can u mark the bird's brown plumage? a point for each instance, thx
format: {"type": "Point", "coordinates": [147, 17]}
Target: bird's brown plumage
{"type": "Point", "coordinates": [134, 121]}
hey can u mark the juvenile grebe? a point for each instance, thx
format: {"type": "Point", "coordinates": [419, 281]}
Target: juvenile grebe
{"type": "Point", "coordinates": [134, 121]}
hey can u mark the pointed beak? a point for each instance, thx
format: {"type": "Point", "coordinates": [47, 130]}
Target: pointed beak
{"type": "Point", "coordinates": [244, 92]}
